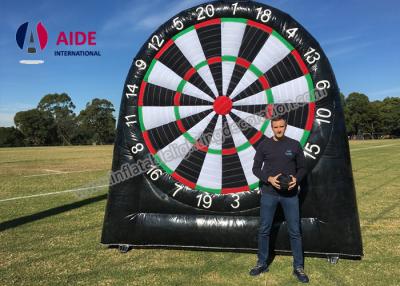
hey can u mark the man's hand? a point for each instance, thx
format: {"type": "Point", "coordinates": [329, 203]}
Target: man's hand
{"type": "Point", "coordinates": [293, 183]}
{"type": "Point", "coordinates": [274, 181]}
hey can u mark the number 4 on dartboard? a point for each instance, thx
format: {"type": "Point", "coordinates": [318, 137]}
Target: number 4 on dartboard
{"type": "Point", "coordinates": [291, 32]}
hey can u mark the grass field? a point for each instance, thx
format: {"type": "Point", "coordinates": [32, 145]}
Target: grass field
{"type": "Point", "coordinates": [54, 239]}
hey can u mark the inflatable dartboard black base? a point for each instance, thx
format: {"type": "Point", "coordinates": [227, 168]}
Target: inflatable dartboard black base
{"type": "Point", "coordinates": [196, 103]}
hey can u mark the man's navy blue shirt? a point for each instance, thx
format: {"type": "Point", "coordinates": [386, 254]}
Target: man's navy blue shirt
{"type": "Point", "coordinates": [283, 156]}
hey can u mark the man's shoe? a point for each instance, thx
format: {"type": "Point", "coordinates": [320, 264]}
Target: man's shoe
{"type": "Point", "coordinates": [257, 270]}
{"type": "Point", "coordinates": [301, 276]}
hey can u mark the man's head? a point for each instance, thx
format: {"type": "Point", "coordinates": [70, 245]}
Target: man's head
{"type": "Point", "coordinates": [278, 125]}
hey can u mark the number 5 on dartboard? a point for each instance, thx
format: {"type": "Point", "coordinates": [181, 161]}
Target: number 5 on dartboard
{"type": "Point", "coordinates": [178, 23]}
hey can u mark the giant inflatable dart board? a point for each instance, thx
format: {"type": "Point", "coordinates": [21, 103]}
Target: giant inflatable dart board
{"type": "Point", "coordinates": [196, 103]}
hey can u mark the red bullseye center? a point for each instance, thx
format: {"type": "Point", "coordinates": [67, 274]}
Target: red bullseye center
{"type": "Point", "coordinates": [222, 105]}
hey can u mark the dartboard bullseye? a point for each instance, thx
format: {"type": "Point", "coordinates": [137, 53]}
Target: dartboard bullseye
{"type": "Point", "coordinates": [222, 105]}
{"type": "Point", "coordinates": [205, 92]}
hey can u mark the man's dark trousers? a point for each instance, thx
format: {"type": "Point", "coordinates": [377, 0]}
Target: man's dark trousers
{"type": "Point", "coordinates": [290, 206]}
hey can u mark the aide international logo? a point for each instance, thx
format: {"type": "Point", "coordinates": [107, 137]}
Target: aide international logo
{"type": "Point", "coordinates": [32, 39]}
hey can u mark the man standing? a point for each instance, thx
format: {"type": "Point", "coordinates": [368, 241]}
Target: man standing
{"type": "Point", "coordinates": [279, 158]}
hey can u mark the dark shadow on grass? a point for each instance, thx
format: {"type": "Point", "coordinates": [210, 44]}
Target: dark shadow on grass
{"type": "Point", "coordinates": [50, 212]}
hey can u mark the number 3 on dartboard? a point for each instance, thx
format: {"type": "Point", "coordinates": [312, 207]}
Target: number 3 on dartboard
{"type": "Point", "coordinates": [236, 202]}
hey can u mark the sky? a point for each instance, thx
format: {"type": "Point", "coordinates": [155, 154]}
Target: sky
{"type": "Point", "coordinates": [360, 38]}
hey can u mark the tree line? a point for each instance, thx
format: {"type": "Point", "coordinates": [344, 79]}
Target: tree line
{"type": "Point", "coordinates": [371, 117]}
{"type": "Point", "coordinates": [54, 122]}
